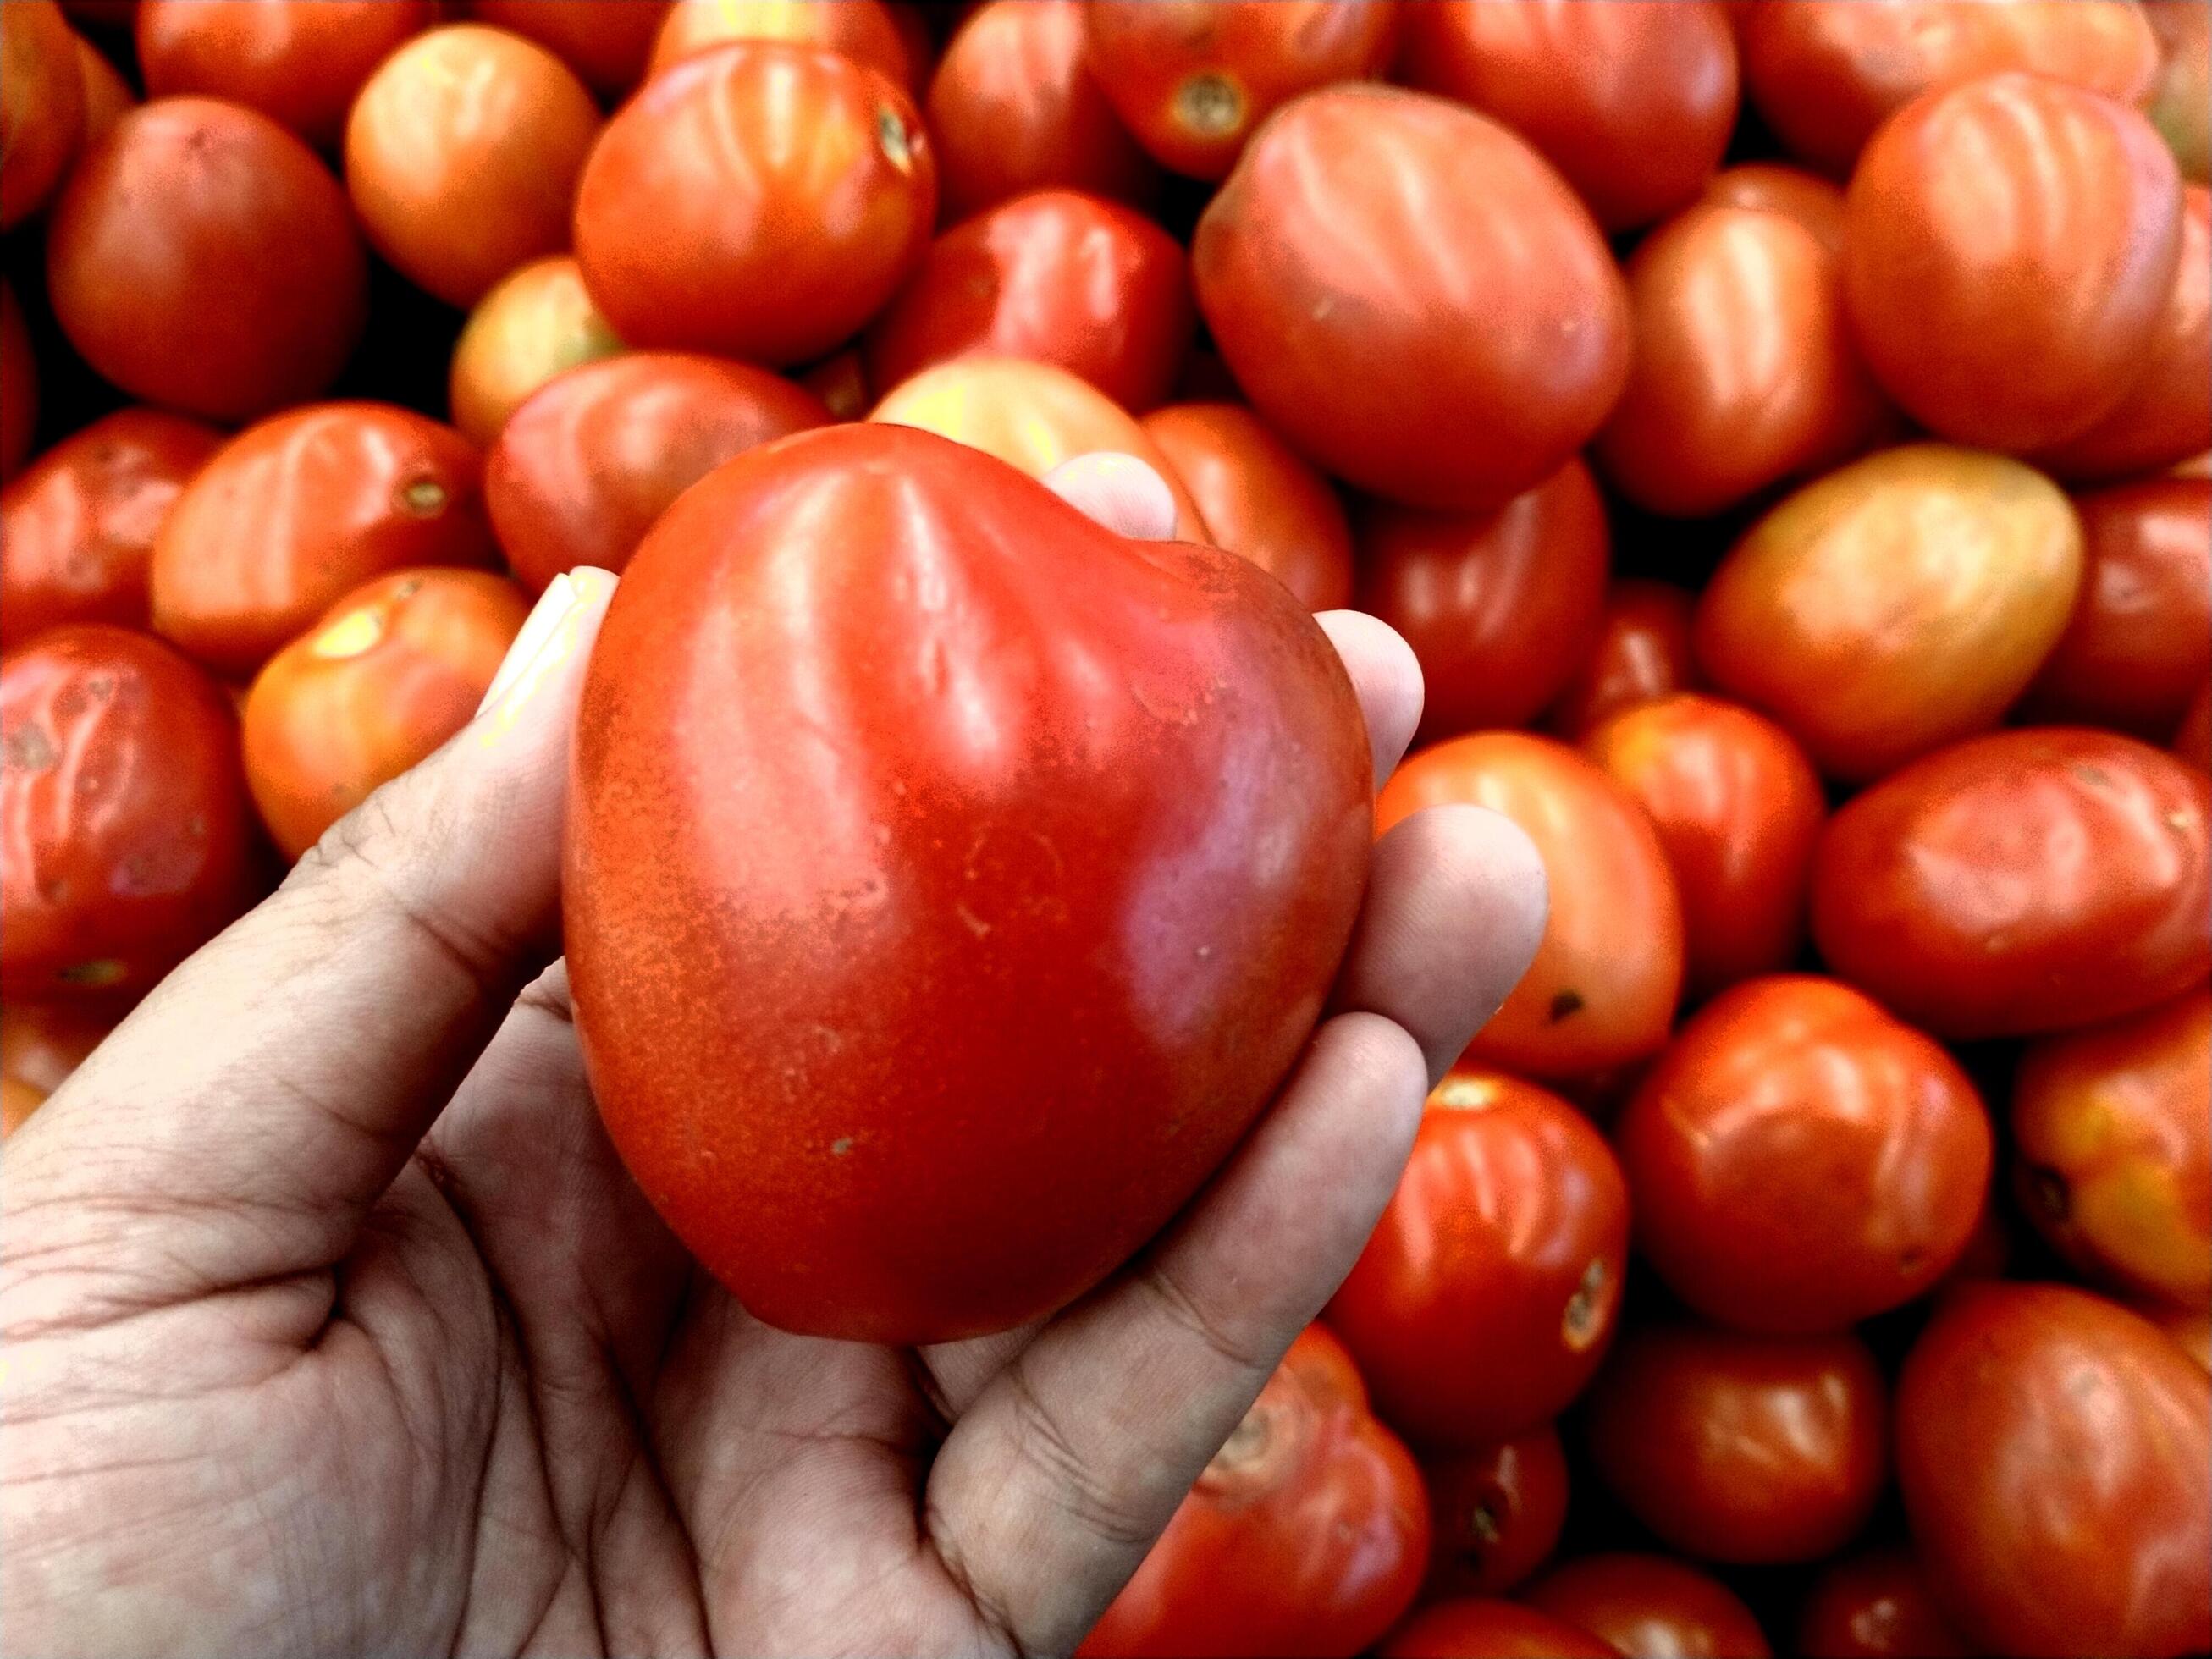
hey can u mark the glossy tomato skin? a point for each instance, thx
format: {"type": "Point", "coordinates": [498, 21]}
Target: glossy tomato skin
{"type": "Point", "coordinates": [708, 218]}
{"type": "Point", "coordinates": [1480, 1628]}
{"type": "Point", "coordinates": [1305, 1534]}
{"type": "Point", "coordinates": [605, 42]}
{"type": "Point", "coordinates": [1602, 988]}
{"type": "Point", "coordinates": [2027, 881]}
{"type": "Point", "coordinates": [1055, 276]}
{"type": "Point", "coordinates": [583, 469]}
{"type": "Point", "coordinates": [125, 812]}
{"type": "Point", "coordinates": [42, 111]}
{"type": "Point", "coordinates": [2055, 1452]}
{"type": "Point", "coordinates": [1258, 498]}
{"type": "Point", "coordinates": [1798, 1160]}
{"type": "Point", "coordinates": [1485, 1298]}
{"type": "Point", "coordinates": [537, 322]}
{"type": "Point", "coordinates": [202, 257]}
{"type": "Point", "coordinates": [1632, 102]}
{"type": "Point", "coordinates": [1650, 1604]}
{"type": "Point", "coordinates": [19, 385]}
{"type": "Point", "coordinates": [1898, 603]}
{"type": "Point", "coordinates": [1740, 1448]}
{"type": "Point", "coordinates": [1875, 1606]}
{"type": "Point", "coordinates": [77, 531]}
{"type": "Point", "coordinates": [1642, 655]}
{"type": "Point", "coordinates": [1095, 998]}
{"type": "Point", "coordinates": [1455, 376]}
{"type": "Point", "coordinates": [300, 65]}
{"type": "Point", "coordinates": [862, 30]}
{"type": "Point", "coordinates": [1500, 607]}
{"type": "Point", "coordinates": [297, 510]}
{"type": "Point", "coordinates": [1495, 1513]}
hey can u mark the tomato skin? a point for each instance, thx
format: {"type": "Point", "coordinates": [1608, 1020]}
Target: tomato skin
{"type": "Point", "coordinates": [1650, 1604]}
{"type": "Point", "coordinates": [1305, 1534]}
{"type": "Point", "coordinates": [1500, 607]}
{"type": "Point", "coordinates": [1057, 277]}
{"type": "Point", "coordinates": [2055, 1452]}
{"type": "Point", "coordinates": [1875, 1605]}
{"type": "Point", "coordinates": [1774, 187]}
{"type": "Point", "coordinates": [1258, 498]}
{"type": "Point", "coordinates": [299, 64]}
{"type": "Point", "coordinates": [2192, 738]}
{"type": "Point", "coordinates": [19, 385]}
{"type": "Point", "coordinates": [862, 30]}
{"type": "Point", "coordinates": [2192, 1332]}
{"type": "Point", "coordinates": [2183, 85]}
{"type": "Point", "coordinates": [77, 531]}
{"type": "Point", "coordinates": [1602, 989]}
{"type": "Point", "coordinates": [1898, 603]}
{"type": "Point", "coordinates": [1476, 1628]}
{"type": "Point", "coordinates": [203, 259]}
{"type": "Point", "coordinates": [583, 469]}
{"type": "Point", "coordinates": [536, 323]}
{"type": "Point", "coordinates": [1632, 103]}
{"type": "Point", "coordinates": [1455, 378]}
{"type": "Point", "coordinates": [1642, 655]}
{"type": "Point", "coordinates": [42, 95]}
{"type": "Point", "coordinates": [708, 221]}
{"type": "Point", "coordinates": [108, 95]}
{"type": "Point", "coordinates": [2024, 882]}
{"type": "Point", "coordinates": [1798, 1160]}
{"type": "Point", "coordinates": [298, 511]}
{"type": "Point", "coordinates": [42, 1042]}
{"type": "Point", "coordinates": [605, 42]}
{"type": "Point", "coordinates": [1485, 1298]}
{"type": "Point", "coordinates": [841, 381]}
{"type": "Point", "coordinates": [945, 856]}
{"type": "Point", "coordinates": [1495, 1513]}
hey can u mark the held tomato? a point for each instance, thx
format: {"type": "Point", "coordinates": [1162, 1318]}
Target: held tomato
{"type": "Point", "coordinates": [2023, 881]}
{"type": "Point", "coordinates": [41, 107]}
{"type": "Point", "coordinates": [19, 385]}
{"type": "Point", "coordinates": [1305, 1534]}
{"type": "Point", "coordinates": [605, 42]}
{"type": "Point", "coordinates": [1875, 1606]}
{"type": "Point", "coordinates": [1480, 1628]}
{"type": "Point", "coordinates": [2056, 1456]}
{"type": "Point", "coordinates": [1650, 1604]}
{"type": "Point", "coordinates": [1499, 607]}
{"type": "Point", "coordinates": [1487, 1296]}
{"type": "Point", "coordinates": [862, 30]}
{"type": "Point", "coordinates": [1495, 1513]}
{"type": "Point", "coordinates": [1602, 989]}
{"type": "Point", "coordinates": [988, 810]}
{"type": "Point", "coordinates": [124, 809]}
{"type": "Point", "coordinates": [1411, 297]}
{"type": "Point", "coordinates": [1643, 655]}
{"type": "Point", "coordinates": [584, 468]}
{"type": "Point", "coordinates": [537, 323]}
{"type": "Point", "coordinates": [108, 95]}
{"type": "Point", "coordinates": [1258, 499]}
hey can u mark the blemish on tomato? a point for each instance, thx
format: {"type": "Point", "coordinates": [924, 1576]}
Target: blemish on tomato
{"type": "Point", "coordinates": [1567, 1003]}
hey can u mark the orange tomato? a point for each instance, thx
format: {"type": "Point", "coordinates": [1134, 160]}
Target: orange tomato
{"type": "Point", "coordinates": [1258, 498]}
{"type": "Point", "coordinates": [605, 42]}
{"type": "Point", "coordinates": [537, 323]}
{"type": "Point", "coordinates": [108, 95]}
{"type": "Point", "coordinates": [862, 30]}
{"type": "Point", "coordinates": [1643, 655]}
{"type": "Point", "coordinates": [41, 107]}
{"type": "Point", "coordinates": [301, 63]}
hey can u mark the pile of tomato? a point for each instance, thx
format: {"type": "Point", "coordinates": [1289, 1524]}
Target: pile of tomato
{"type": "Point", "coordinates": [1778, 427]}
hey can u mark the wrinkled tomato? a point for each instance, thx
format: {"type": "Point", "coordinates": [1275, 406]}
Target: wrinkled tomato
{"type": "Point", "coordinates": [1258, 498]}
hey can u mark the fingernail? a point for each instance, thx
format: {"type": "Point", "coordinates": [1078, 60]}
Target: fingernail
{"type": "Point", "coordinates": [553, 606]}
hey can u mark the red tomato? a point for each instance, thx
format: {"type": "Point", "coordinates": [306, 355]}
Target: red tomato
{"type": "Point", "coordinates": [1500, 607]}
{"type": "Point", "coordinates": [1194, 79]}
{"type": "Point", "coordinates": [1900, 603]}
{"type": "Point", "coordinates": [203, 258]}
{"type": "Point", "coordinates": [124, 813]}
{"type": "Point", "coordinates": [1602, 989]}
{"type": "Point", "coordinates": [294, 512]}
{"type": "Point", "coordinates": [1410, 295]}
{"type": "Point", "coordinates": [2192, 738]}
{"type": "Point", "coordinates": [2023, 881]}
{"type": "Point", "coordinates": [762, 201]}
{"type": "Point", "coordinates": [862, 30]}
{"type": "Point", "coordinates": [1740, 1448]}
{"type": "Point", "coordinates": [1258, 499]}
{"type": "Point", "coordinates": [299, 62]}
{"type": "Point", "coordinates": [2056, 1456]}
{"type": "Point", "coordinates": [2181, 94]}
{"type": "Point", "coordinates": [1058, 276]}
{"type": "Point", "coordinates": [41, 107]}
{"type": "Point", "coordinates": [2140, 642]}
{"type": "Point", "coordinates": [1487, 1296]}
{"type": "Point", "coordinates": [1480, 1629]}
{"type": "Point", "coordinates": [1012, 107]}
{"type": "Point", "coordinates": [581, 470]}
{"type": "Point", "coordinates": [1497, 1513]}
{"type": "Point", "coordinates": [1643, 655]}
{"type": "Point", "coordinates": [2192, 1332]}
{"type": "Point", "coordinates": [1875, 1606]}
{"type": "Point", "coordinates": [841, 381]}
{"type": "Point", "coordinates": [537, 323]}
{"type": "Point", "coordinates": [1798, 1160]}
{"type": "Point", "coordinates": [1650, 1604]}
{"type": "Point", "coordinates": [108, 95]}
{"type": "Point", "coordinates": [42, 1042]}
{"type": "Point", "coordinates": [392, 670]}
{"type": "Point", "coordinates": [19, 385]}
{"type": "Point", "coordinates": [78, 530]}
{"type": "Point", "coordinates": [1771, 187]}
{"type": "Point", "coordinates": [1306, 1534]}
{"type": "Point", "coordinates": [100, 14]}
{"type": "Point", "coordinates": [1086, 959]}
{"type": "Point", "coordinates": [605, 42]}
{"type": "Point", "coordinates": [1631, 101]}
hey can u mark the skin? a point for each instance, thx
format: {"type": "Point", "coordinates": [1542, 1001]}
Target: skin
{"type": "Point", "coordinates": [1259, 499]}
{"type": "Point", "coordinates": [42, 92]}
{"type": "Point", "coordinates": [1479, 1629]}
{"type": "Point", "coordinates": [605, 42]}
{"type": "Point", "coordinates": [301, 64]}
{"type": "Point", "coordinates": [1497, 1513]}
{"type": "Point", "coordinates": [1642, 655]}
{"type": "Point", "coordinates": [1875, 1606]}
{"type": "Point", "coordinates": [1650, 1604]}
{"type": "Point", "coordinates": [19, 385]}
{"type": "Point", "coordinates": [308, 1267]}
{"type": "Point", "coordinates": [536, 323]}
{"type": "Point", "coordinates": [862, 30]}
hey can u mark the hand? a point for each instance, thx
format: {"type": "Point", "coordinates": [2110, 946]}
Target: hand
{"type": "Point", "coordinates": [330, 1322]}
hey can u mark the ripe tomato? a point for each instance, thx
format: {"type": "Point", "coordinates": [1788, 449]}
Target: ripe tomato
{"type": "Point", "coordinates": [299, 64]}
{"type": "Point", "coordinates": [18, 1100]}
{"type": "Point", "coordinates": [1411, 297]}
{"type": "Point", "coordinates": [605, 42]}
{"type": "Point", "coordinates": [2056, 1456]}
{"type": "Point", "coordinates": [294, 512]}
{"type": "Point", "coordinates": [2024, 882]}
{"type": "Point", "coordinates": [1305, 1534]}
{"type": "Point", "coordinates": [2183, 88]}
{"type": "Point", "coordinates": [2192, 1332]}
{"type": "Point", "coordinates": [1650, 1604]}
{"type": "Point", "coordinates": [1772, 187]}
{"type": "Point", "coordinates": [1798, 1160]}
{"type": "Point", "coordinates": [1741, 1447]}
{"type": "Point", "coordinates": [1480, 1628]}
{"type": "Point", "coordinates": [1632, 100]}
{"type": "Point", "coordinates": [1194, 79]}
{"type": "Point", "coordinates": [1487, 1296]}
{"type": "Point", "coordinates": [203, 258]}
{"type": "Point", "coordinates": [19, 385]}
{"type": "Point", "coordinates": [862, 30]}
{"type": "Point", "coordinates": [1057, 277]}
{"type": "Point", "coordinates": [1495, 1513]}
{"type": "Point", "coordinates": [2192, 738]}
{"type": "Point", "coordinates": [124, 809]}
{"type": "Point", "coordinates": [1086, 960]}
{"type": "Point", "coordinates": [1875, 1605]}
{"type": "Point", "coordinates": [41, 107]}
{"type": "Point", "coordinates": [1896, 604]}
{"type": "Point", "coordinates": [1739, 809]}
{"type": "Point", "coordinates": [536, 323]}
{"type": "Point", "coordinates": [1258, 499]}
{"type": "Point", "coordinates": [391, 671]}
{"type": "Point", "coordinates": [1012, 107]}
{"type": "Point", "coordinates": [2140, 642]}
{"type": "Point", "coordinates": [841, 381]}
{"type": "Point", "coordinates": [1642, 655]}
{"type": "Point", "coordinates": [42, 1042]}
{"type": "Point", "coordinates": [762, 201]}
{"type": "Point", "coordinates": [584, 468]}
{"type": "Point", "coordinates": [1500, 607]}
{"type": "Point", "coordinates": [108, 95]}
{"type": "Point", "coordinates": [1602, 989]}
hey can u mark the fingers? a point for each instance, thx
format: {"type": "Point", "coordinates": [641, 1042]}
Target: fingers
{"type": "Point", "coordinates": [1387, 678]}
{"type": "Point", "coordinates": [1118, 491]}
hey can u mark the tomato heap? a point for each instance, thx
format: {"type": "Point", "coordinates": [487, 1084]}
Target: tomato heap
{"type": "Point", "coordinates": [1780, 429]}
